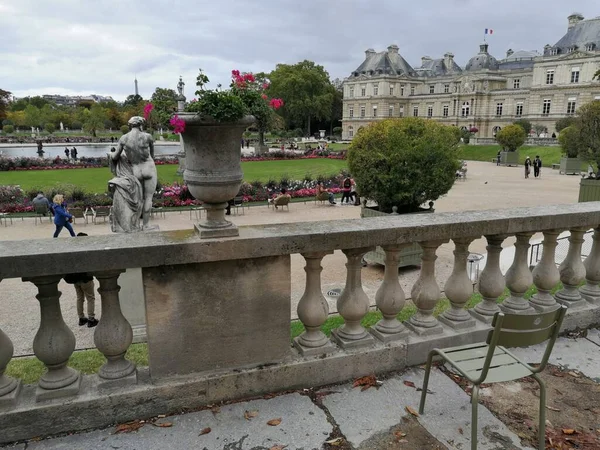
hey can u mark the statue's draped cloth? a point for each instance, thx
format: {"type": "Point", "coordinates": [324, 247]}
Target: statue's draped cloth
{"type": "Point", "coordinates": [128, 197]}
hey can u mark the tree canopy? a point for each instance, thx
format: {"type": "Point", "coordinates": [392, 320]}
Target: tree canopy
{"type": "Point", "coordinates": [563, 123]}
{"type": "Point", "coordinates": [4, 99]}
{"type": "Point", "coordinates": [165, 104]}
{"type": "Point", "coordinates": [525, 124]}
{"type": "Point", "coordinates": [588, 125]}
{"type": "Point", "coordinates": [570, 141]}
{"type": "Point", "coordinates": [511, 137]}
{"type": "Point", "coordinates": [404, 162]}
{"type": "Point", "coordinates": [307, 91]}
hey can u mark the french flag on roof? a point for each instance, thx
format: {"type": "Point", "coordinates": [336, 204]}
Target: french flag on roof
{"type": "Point", "coordinates": [489, 31]}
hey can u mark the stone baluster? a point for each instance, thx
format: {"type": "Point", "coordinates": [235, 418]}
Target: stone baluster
{"type": "Point", "coordinates": [9, 387]}
{"type": "Point", "coordinates": [54, 343]}
{"type": "Point", "coordinates": [353, 303]}
{"type": "Point", "coordinates": [590, 291]}
{"type": "Point", "coordinates": [491, 281]}
{"type": "Point", "coordinates": [546, 275]}
{"type": "Point", "coordinates": [572, 272]}
{"type": "Point", "coordinates": [426, 293]}
{"type": "Point", "coordinates": [313, 309]}
{"type": "Point", "coordinates": [390, 298]}
{"type": "Point", "coordinates": [459, 288]}
{"type": "Point", "coordinates": [113, 335]}
{"type": "Point", "coordinates": [519, 278]}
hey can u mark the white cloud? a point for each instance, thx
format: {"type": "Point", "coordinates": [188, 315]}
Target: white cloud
{"type": "Point", "coordinates": [88, 46]}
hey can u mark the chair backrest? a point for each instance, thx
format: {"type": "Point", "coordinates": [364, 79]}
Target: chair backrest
{"type": "Point", "coordinates": [40, 208]}
{"type": "Point", "coordinates": [238, 201]}
{"type": "Point", "coordinates": [76, 212]}
{"type": "Point", "coordinates": [523, 330]}
{"type": "Point", "coordinates": [323, 196]}
{"type": "Point", "coordinates": [282, 201]}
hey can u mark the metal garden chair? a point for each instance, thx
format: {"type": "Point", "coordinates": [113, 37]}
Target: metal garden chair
{"type": "Point", "coordinates": [491, 362]}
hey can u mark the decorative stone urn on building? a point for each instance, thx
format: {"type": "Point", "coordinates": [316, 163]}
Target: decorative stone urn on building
{"type": "Point", "coordinates": [213, 172]}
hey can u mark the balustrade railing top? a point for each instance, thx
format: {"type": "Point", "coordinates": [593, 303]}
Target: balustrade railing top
{"type": "Point", "coordinates": [120, 251]}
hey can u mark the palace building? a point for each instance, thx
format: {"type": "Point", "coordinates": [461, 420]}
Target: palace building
{"type": "Point", "coordinates": [486, 94]}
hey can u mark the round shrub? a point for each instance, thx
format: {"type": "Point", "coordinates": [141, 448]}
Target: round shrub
{"type": "Point", "coordinates": [124, 129]}
{"type": "Point", "coordinates": [50, 128]}
{"type": "Point", "coordinates": [8, 129]}
{"type": "Point", "coordinates": [511, 137]}
{"type": "Point", "coordinates": [404, 162]}
{"type": "Point", "coordinates": [570, 141]}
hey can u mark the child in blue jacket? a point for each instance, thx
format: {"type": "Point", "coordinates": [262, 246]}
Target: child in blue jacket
{"type": "Point", "coordinates": [62, 219]}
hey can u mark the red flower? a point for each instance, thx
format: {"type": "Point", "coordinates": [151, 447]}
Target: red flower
{"type": "Point", "coordinates": [177, 124]}
{"type": "Point", "coordinates": [276, 103]}
{"type": "Point", "coordinates": [264, 96]}
{"type": "Point", "coordinates": [249, 78]}
{"type": "Point", "coordinates": [235, 73]}
{"type": "Point", "coordinates": [265, 86]}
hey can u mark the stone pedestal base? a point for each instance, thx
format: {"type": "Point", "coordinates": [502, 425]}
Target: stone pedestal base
{"type": "Point", "coordinates": [481, 317]}
{"type": "Point", "coordinates": [345, 343]}
{"type": "Point", "coordinates": [591, 299]}
{"type": "Point", "coordinates": [545, 308]}
{"type": "Point", "coordinates": [458, 324]}
{"type": "Point", "coordinates": [509, 310]}
{"type": "Point", "coordinates": [389, 337]}
{"type": "Point", "coordinates": [206, 233]}
{"type": "Point", "coordinates": [129, 380]}
{"type": "Point", "coordinates": [42, 394]}
{"type": "Point", "coordinates": [329, 347]}
{"type": "Point", "coordinates": [10, 400]}
{"type": "Point", "coordinates": [425, 331]}
{"type": "Point", "coordinates": [577, 304]}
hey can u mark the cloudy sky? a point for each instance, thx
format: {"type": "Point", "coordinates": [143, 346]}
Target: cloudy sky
{"type": "Point", "coordinates": [99, 46]}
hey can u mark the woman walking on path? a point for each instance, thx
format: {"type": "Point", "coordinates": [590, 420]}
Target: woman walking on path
{"type": "Point", "coordinates": [62, 219]}
{"type": "Point", "coordinates": [527, 167]}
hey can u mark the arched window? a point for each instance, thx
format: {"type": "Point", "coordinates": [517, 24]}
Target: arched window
{"type": "Point", "coordinates": [466, 109]}
{"type": "Point", "coordinates": [350, 131]}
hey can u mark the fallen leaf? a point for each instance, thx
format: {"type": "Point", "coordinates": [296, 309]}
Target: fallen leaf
{"type": "Point", "coordinates": [460, 430]}
{"type": "Point", "coordinates": [399, 434]}
{"type": "Point", "coordinates": [551, 408]}
{"type": "Point", "coordinates": [129, 427]}
{"type": "Point", "coordinates": [402, 441]}
{"type": "Point", "coordinates": [568, 431]}
{"type": "Point", "coordinates": [163, 424]}
{"type": "Point", "coordinates": [409, 383]}
{"type": "Point", "coordinates": [274, 422]}
{"type": "Point", "coordinates": [215, 410]}
{"type": "Point", "coordinates": [205, 431]}
{"type": "Point", "coordinates": [248, 415]}
{"type": "Point", "coordinates": [574, 374]}
{"type": "Point", "coordinates": [412, 411]}
{"type": "Point", "coordinates": [366, 382]}
{"type": "Point", "coordinates": [278, 447]}
{"type": "Point", "coordinates": [335, 442]}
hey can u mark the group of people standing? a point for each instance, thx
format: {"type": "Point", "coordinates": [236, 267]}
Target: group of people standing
{"type": "Point", "coordinates": [537, 166]}
{"type": "Point", "coordinates": [71, 154]}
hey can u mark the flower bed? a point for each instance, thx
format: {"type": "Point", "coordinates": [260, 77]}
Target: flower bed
{"type": "Point", "coordinates": [26, 163]}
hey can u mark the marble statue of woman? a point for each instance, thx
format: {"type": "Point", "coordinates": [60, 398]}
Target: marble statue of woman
{"type": "Point", "coordinates": [135, 179]}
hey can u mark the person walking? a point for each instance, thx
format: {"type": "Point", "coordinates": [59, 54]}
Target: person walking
{"type": "Point", "coordinates": [537, 166]}
{"type": "Point", "coordinates": [74, 154]}
{"type": "Point", "coordinates": [346, 188]}
{"type": "Point", "coordinates": [67, 153]}
{"type": "Point", "coordinates": [84, 289]}
{"type": "Point", "coordinates": [527, 166]}
{"type": "Point", "coordinates": [498, 157]}
{"type": "Point", "coordinates": [62, 218]}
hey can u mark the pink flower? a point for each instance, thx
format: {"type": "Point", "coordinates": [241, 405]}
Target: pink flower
{"type": "Point", "coordinates": [264, 96]}
{"type": "Point", "coordinates": [276, 103]}
{"type": "Point", "coordinates": [147, 110]}
{"type": "Point", "coordinates": [249, 78]}
{"type": "Point", "coordinates": [235, 73]}
{"type": "Point", "coordinates": [265, 86]}
{"type": "Point", "coordinates": [177, 124]}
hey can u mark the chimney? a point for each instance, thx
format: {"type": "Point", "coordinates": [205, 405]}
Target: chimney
{"type": "Point", "coordinates": [393, 49]}
{"type": "Point", "coordinates": [425, 59]}
{"type": "Point", "coordinates": [369, 52]}
{"type": "Point", "coordinates": [509, 52]}
{"type": "Point", "coordinates": [574, 19]}
{"type": "Point", "coordinates": [449, 60]}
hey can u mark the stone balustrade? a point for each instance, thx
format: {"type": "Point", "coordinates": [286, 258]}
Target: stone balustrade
{"type": "Point", "coordinates": [218, 310]}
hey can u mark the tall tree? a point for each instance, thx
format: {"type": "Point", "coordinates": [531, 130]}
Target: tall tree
{"type": "Point", "coordinates": [133, 100]}
{"type": "Point", "coordinates": [32, 116]}
{"type": "Point", "coordinates": [4, 99]}
{"type": "Point", "coordinates": [307, 92]}
{"type": "Point", "coordinates": [94, 119]}
{"type": "Point", "coordinates": [165, 104]}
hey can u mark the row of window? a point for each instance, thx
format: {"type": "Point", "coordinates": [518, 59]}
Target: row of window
{"type": "Point", "coordinates": [363, 90]}
{"type": "Point", "coordinates": [466, 109]}
{"type": "Point", "coordinates": [574, 75]}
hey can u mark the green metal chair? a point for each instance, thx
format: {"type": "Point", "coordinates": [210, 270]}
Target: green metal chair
{"type": "Point", "coordinates": [491, 362]}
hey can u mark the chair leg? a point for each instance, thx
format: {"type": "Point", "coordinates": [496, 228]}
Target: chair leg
{"type": "Point", "coordinates": [425, 382]}
{"type": "Point", "coordinates": [474, 403]}
{"type": "Point", "coordinates": [542, 424]}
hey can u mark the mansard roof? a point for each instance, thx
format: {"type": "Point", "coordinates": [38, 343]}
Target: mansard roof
{"type": "Point", "coordinates": [438, 67]}
{"type": "Point", "coordinates": [389, 62]}
{"type": "Point", "coordinates": [579, 35]}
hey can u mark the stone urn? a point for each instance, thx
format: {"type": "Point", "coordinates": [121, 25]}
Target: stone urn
{"type": "Point", "coordinates": [213, 172]}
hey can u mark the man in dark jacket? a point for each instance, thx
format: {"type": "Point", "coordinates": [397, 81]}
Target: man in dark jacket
{"type": "Point", "coordinates": [537, 165]}
{"type": "Point", "coordinates": [84, 288]}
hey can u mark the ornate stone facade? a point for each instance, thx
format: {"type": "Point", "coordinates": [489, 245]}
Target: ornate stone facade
{"type": "Point", "coordinates": [487, 94]}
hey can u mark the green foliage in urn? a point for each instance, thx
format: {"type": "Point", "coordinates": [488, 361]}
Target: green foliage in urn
{"type": "Point", "coordinates": [525, 124]}
{"type": "Point", "coordinates": [511, 137]}
{"type": "Point", "coordinates": [570, 141]}
{"type": "Point", "coordinates": [404, 162]}
{"type": "Point", "coordinates": [588, 124]}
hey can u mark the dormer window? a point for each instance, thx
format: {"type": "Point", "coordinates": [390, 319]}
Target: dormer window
{"type": "Point", "coordinates": [554, 51]}
{"type": "Point", "coordinates": [571, 49]}
{"type": "Point", "coordinates": [590, 47]}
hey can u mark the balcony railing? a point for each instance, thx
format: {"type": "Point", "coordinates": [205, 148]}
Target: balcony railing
{"type": "Point", "coordinates": [218, 311]}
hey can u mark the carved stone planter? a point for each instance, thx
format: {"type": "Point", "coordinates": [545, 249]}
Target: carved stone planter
{"type": "Point", "coordinates": [589, 190]}
{"type": "Point", "coordinates": [509, 158]}
{"type": "Point", "coordinates": [212, 168]}
{"type": "Point", "coordinates": [570, 166]}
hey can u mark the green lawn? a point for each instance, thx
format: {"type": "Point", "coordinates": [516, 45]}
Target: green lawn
{"type": "Point", "coordinates": [30, 369]}
{"type": "Point", "coordinates": [548, 155]}
{"type": "Point", "coordinates": [94, 180]}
